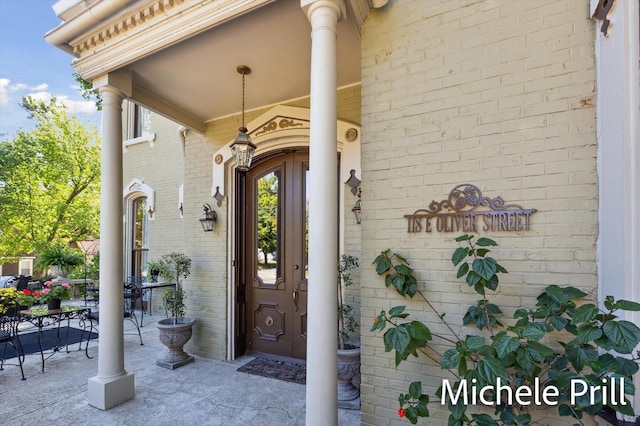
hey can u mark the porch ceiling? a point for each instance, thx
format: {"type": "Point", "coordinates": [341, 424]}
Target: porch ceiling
{"type": "Point", "coordinates": [194, 79]}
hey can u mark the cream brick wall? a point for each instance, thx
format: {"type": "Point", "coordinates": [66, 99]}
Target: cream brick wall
{"type": "Point", "coordinates": [499, 94]}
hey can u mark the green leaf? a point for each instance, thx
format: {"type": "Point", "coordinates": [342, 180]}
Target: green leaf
{"type": "Point", "coordinates": [419, 331]}
{"type": "Point", "coordinates": [473, 278]}
{"type": "Point", "coordinates": [411, 414]}
{"type": "Point", "coordinates": [543, 350]}
{"type": "Point", "coordinates": [521, 313]}
{"type": "Point", "coordinates": [578, 355]}
{"type": "Point", "coordinates": [485, 267]}
{"type": "Point", "coordinates": [396, 310]}
{"type": "Point", "coordinates": [383, 266]}
{"type": "Point", "coordinates": [473, 343]}
{"type": "Point", "coordinates": [492, 283]}
{"type": "Point", "coordinates": [465, 237]}
{"type": "Point", "coordinates": [403, 269]}
{"type": "Point", "coordinates": [627, 305]}
{"type": "Point", "coordinates": [565, 410]}
{"type": "Point", "coordinates": [490, 369]}
{"type": "Point", "coordinates": [462, 270]}
{"type": "Point", "coordinates": [457, 410]}
{"type": "Point", "coordinates": [396, 338]}
{"type": "Point", "coordinates": [415, 389]}
{"type": "Point", "coordinates": [450, 359]}
{"type": "Point", "coordinates": [484, 420]}
{"type": "Point", "coordinates": [626, 367]}
{"type": "Point", "coordinates": [559, 323]}
{"type": "Point", "coordinates": [573, 292]}
{"type": "Point", "coordinates": [485, 242]}
{"type": "Point", "coordinates": [626, 409]}
{"type": "Point", "coordinates": [402, 258]}
{"type": "Point", "coordinates": [459, 254]}
{"type": "Point", "coordinates": [624, 334]}
{"type": "Point", "coordinates": [534, 331]}
{"type": "Point", "coordinates": [503, 344]}
{"type": "Point", "coordinates": [585, 313]}
{"type": "Point", "coordinates": [588, 332]}
{"type": "Point", "coordinates": [482, 252]}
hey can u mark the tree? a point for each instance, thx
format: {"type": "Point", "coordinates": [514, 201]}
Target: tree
{"type": "Point", "coordinates": [49, 181]}
{"type": "Point", "coordinates": [88, 92]}
{"type": "Point", "coordinates": [267, 214]}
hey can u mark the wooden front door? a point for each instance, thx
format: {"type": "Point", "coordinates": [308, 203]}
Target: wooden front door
{"type": "Point", "coordinates": [275, 255]}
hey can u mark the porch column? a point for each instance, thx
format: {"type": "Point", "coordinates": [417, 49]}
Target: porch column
{"type": "Point", "coordinates": [113, 385]}
{"type": "Point", "coordinates": [322, 364]}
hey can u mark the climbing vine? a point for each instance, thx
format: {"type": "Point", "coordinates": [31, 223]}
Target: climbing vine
{"type": "Point", "coordinates": [510, 367]}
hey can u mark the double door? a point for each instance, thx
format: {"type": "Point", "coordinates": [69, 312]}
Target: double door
{"type": "Point", "coordinates": [272, 292]}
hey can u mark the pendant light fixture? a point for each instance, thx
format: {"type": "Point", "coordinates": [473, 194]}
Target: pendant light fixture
{"type": "Point", "coordinates": [242, 147]}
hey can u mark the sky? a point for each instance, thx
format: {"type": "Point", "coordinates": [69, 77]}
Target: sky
{"type": "Point", "coordinates": [29, 66]}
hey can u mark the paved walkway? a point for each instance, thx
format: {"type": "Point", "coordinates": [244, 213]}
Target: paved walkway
{"type": "Point", "coordinates": [205, 392]}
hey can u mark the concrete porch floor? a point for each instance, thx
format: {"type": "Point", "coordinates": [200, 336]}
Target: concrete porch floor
{"type": "Point", "coordinates": [205, 392]}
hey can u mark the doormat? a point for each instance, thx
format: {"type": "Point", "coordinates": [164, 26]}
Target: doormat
{"type": "Point", "coordinates": [276, 369]}
{"type": "Point", "coordinates": [49, 339]}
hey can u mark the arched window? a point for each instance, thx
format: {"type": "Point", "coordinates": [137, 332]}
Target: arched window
{"type": "Point", "coordinates": [139, 201]}
{"type": "Point", "coordinates": [139, 236]}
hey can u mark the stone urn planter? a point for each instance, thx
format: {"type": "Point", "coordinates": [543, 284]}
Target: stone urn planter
{"type": "Point", "coordinates": [348, 368]}
{"type": "Point", "coordinates": [174, 337]}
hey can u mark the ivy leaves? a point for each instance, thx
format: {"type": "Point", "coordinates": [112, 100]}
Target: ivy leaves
{"type": "Point", "coordinates": [405, 338]}
{"type": "Point", "coordinates": [518, 353]}
{"type": "Point", "coordinates": [398, 275]}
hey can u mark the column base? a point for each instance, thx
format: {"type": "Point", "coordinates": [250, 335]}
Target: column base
{"type": "Point", "coordinates": [107, 393]}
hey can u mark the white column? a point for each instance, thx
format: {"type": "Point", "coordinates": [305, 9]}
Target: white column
{"type": "Point", "coordinates": [113, 385]}
{"type": "Point", "coordinates": [322, 364]}
{"type": "Point", "coordinates": [618, 112]}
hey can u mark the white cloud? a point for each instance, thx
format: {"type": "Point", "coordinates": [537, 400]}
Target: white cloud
{"type": "Point", "coordinates": [4, 95]}
{"type": "Point", "coordinates": [12, 117]}
{"type": "Point", "coordinates": [77, 106]}
{"type": "Point", "coordinates": [6, 89]}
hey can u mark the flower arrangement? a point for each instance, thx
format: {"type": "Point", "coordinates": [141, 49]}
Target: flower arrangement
{"type": "Point", "coordinates": [9, 297]}
{"type": "Point", "coordinates": [52, 292]}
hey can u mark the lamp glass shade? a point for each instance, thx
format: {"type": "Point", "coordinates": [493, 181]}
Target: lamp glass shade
{"type": "Point", "coordinates": [242, 150]}
{"type": "Point", "coordinates": [357, 211]}
{"type": "Point", "coordinates": [207, 220]}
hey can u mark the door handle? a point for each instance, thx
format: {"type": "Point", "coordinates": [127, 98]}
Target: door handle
{"type": "Point", "coordinates": [295, 298]}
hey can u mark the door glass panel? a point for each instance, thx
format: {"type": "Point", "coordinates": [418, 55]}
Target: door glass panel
{"type": "Point", "coordinates": [269, 217]}
{"type": "Point", "coordinates": [140, 236]}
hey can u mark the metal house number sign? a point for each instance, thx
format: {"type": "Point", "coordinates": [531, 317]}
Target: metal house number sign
{"type": "Point", "coordinates": [466, 210]}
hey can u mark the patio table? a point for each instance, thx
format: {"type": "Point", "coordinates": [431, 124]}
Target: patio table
{"type": "Point", "coordinates": [148, 287]}
{"type": "Point", "coordinates": [44, 318]}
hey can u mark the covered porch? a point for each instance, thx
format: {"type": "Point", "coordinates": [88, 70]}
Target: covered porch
{"type": "Point", "coordinates": [179, 59]}
{"type": "Point", "coordinates": [205, 392]}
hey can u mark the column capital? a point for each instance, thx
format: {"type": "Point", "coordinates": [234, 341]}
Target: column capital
{"type": "Point", "coordinates": [311, 6]}
{"type": "Point", "coordinates": [120, 81]}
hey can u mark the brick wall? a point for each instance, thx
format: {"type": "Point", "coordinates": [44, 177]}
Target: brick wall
{"type": "Point", "coordinates": [499, 94]}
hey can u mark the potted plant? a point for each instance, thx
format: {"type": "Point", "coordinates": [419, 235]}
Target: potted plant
{"type": "Point", "coordinates": [348, 351]}
{"type": "Point", "coordinates": [60, 259]}
{"type": "Point", "coordinates": [155, 268]}
{"type": "Point", "coordinates": [53, 294]}
{"type": "Point", "coordinates": [176, 330]}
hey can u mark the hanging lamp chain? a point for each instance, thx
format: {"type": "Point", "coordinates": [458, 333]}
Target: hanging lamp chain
{"type": "Point", "coordinates": [243, 99]}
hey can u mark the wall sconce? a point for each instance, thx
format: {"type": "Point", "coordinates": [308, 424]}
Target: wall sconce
{"type": "Point", "coordinates": [242, 147]}
{"type": "Point", "coordinates": [357, 208]}
{"type": "Point", "coordinates": [208, 218]}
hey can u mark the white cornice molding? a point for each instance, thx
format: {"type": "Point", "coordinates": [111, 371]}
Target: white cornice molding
{"type": "Point", "coordinates": [149, 27]}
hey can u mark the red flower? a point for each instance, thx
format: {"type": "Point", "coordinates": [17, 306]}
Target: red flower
{"type": "Point", "coordinates": [401, 412]}
{"type": "Point", "coordinates": [26, 291]}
